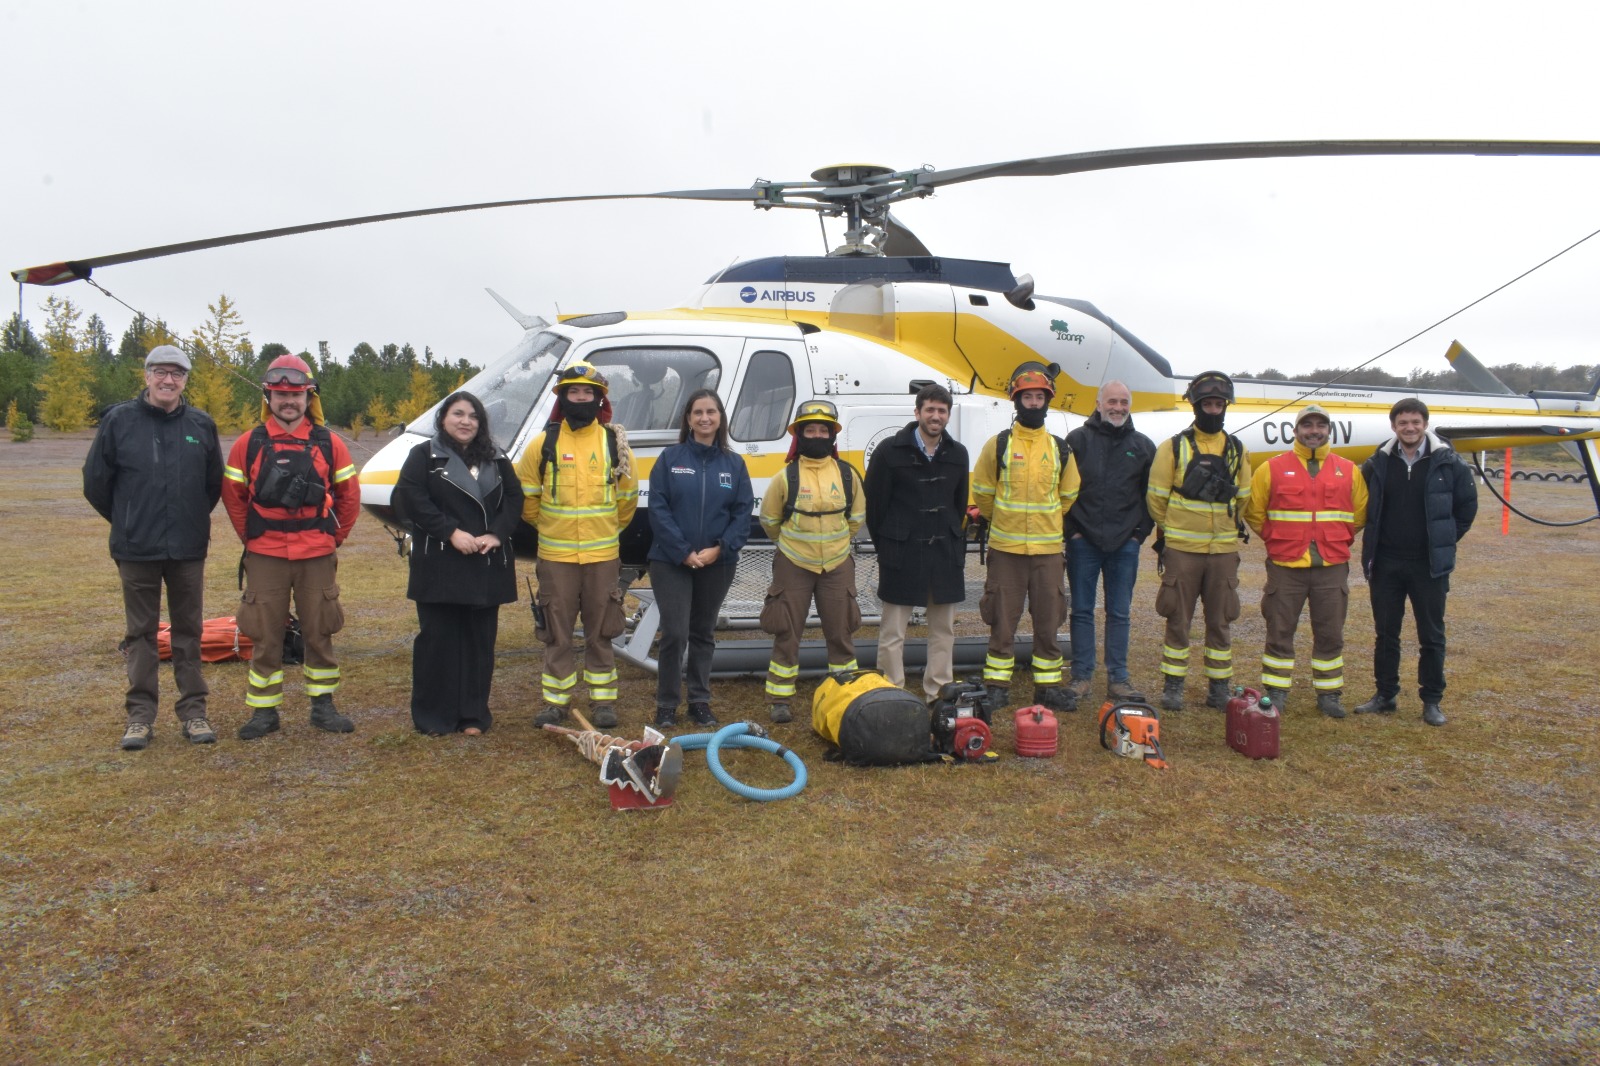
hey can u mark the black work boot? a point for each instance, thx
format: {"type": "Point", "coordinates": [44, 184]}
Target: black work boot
{"type": "Point", "coordinates": [1172, 694]}
{"type": "Point", "coordinates": [700, 714]}
{"type": "Point", "coordinates": [264, 721]}
{"type": "Point", "coordinates": [1278, 696]}
{"type": "Point", "coordinates": [995, 697]}
{"type": "Point", "coordinates": [666, 718]}
{"type": "Point", "coordinates": [1218, 693]}
{"type": "Point", "coordinates": [1328, 703]}
{"type": "Point", "coordinates": [551, 715]}
{"type": "Point", "coordinates": [603, 715]}
{"type": "Point", "coordinates": [1054, 698]}
{"type": "Point", "coordinates": [778, 711]}
{"type": "Point", "coordinates": [1378, 704]}
{"type": "Point", "coordinates": [1432, 715]}
{"type": "Point", "coordinates": [324, 717]}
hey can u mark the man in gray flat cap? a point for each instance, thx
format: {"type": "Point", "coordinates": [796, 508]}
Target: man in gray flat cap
{"type": "Point", "coordinates": [154, 472]}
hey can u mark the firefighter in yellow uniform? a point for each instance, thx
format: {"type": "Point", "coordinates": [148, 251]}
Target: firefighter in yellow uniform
{"type": "Point", "coordinates": [579, 492]}
{"type": "Point", "coordinates": [1024, 483]}
{"type": "Point", "coordinates": [1199, 485]}
{"type": "Point", "coordinates": [811, 510]}
{"type": "Point", "coordinates": [1307, 504]}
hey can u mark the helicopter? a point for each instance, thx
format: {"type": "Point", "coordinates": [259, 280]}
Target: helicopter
{"type": "Point", "coordinates": [881, 315]}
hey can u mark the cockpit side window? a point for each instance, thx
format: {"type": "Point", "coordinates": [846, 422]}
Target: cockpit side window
{"type": "Point", "coordinates": [765, 399]}
{"type": "Point", "coordinates": [510, 386]}
{"type": "Point", "coordinates": [649, 386]}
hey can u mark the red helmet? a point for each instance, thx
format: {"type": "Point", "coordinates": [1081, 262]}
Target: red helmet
{"type": "Point", "coordinates": [288, 373]}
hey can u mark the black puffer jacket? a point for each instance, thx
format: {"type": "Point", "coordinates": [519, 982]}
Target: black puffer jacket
{"type": "Point", "coordinates": [915, 511]}
{"type": "Point", "coordinates": [1114, 468]}
{"type": "Point", "coordinates": [433, 506]}
{"type": "Point", "coordinates": [155, 476]}
{"type": "Point", "coordinates": [1449, 502]}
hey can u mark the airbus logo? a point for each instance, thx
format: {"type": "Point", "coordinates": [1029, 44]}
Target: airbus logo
{"type": "Point", "coordinates": [788, 296]}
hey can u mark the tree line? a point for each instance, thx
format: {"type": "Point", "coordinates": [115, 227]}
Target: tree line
{"type": "Point", "coordinates": [67, 375]}
{"type": "Point", "coordinates": [1518, 378]}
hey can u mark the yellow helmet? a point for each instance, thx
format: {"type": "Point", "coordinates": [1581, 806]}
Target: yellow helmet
{"type": "Point", "coordinates": [581, 374]}
{"type": "Point", "coordinates": [816, 411]}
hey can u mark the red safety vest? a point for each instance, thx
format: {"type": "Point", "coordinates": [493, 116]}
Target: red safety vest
{"type": "Point", "coordinates": [1302, 509]}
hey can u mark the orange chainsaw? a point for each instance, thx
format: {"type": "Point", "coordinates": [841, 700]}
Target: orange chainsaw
{"type": "Point", "coordinates": [1132, 730]}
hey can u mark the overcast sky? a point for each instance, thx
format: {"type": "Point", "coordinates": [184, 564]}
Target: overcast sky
{"type": "Point", "coordinates": [130, 125]}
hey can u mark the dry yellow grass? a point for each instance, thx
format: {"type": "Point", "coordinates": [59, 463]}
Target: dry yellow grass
{"type": "Point", "coordinates": [1382, 893]}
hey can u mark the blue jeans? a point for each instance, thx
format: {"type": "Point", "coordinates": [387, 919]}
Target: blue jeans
{"type": "Point", "coordinates": [1085, 565]}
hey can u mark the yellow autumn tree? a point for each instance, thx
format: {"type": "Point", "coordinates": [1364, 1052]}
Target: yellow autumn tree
{"type": "Point", "coordinates": [218, 348]}
{"type": "Point", "coordinates": [419, 397]}
{"type": "Point", "coordinates": [18, 423]}
{"type": "Point", "coordinates": [66, 402]}
{"type": "Point", "coordinates": [378, 414]}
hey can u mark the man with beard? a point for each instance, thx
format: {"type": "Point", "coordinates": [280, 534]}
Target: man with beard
{"type": "Point", "coordinates": [1105, 527]}
{"type": "Point", "coordinates": [579, 493]}
{"type": "Point", "coordinates": [916, 505]}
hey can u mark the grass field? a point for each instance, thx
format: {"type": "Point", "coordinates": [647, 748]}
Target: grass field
{"type": "Point", "coordinates": [1384, 892]}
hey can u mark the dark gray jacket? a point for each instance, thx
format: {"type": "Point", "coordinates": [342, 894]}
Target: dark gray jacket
{"type": "Point", "coordinates": [1114, 470]}
{"type": "Point", "coordinates": [155, 476]}
{"type": "Point", "coordinates": [1450, 502]}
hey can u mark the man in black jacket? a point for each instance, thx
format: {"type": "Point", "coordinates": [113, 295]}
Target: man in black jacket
{"type": "Point", "coordinates": [916, 495]}
{"type": "Point", "coordinates": [1421, 500]}
{"type": "Point", "coordinates": [1104, 530]}
{"type": "Point", "coordinates": [154, 472]}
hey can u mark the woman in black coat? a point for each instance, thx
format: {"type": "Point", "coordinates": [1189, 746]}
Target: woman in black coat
{"type": "Point", "coordinates": [461, 499]}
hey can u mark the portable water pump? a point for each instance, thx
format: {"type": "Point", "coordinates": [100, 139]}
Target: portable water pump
{"type": "Point", "coordinates": [960, 724]}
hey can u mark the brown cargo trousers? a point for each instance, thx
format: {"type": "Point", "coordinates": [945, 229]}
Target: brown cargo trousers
{"type": "Point", "coordinates": [264, 611]}
{"type": "Point", "coordinates": [1212, 579]}
{"type": "Point", "coordinates": [1012, 581]}
{"type": "Point", "coordinates": [1288, 589]}
{"type": "Point", "coordinates": [784, 617]}
{"type": "Point", "coordinates": [568, 591]}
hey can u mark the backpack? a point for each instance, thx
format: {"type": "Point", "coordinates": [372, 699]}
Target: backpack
{"type": "Point", "coordinates": [791, 476]}
{"type": "Point", "coordinates": [868, 721]}
{"type": "Point", "coordinates": [289, 484]}
{"type": "Point", "coordinates": [1209, 478]}
{"type": "Point", "coordinates": [1002, 449]}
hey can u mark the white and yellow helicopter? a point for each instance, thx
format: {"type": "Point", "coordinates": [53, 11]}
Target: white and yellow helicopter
{"type": "Point", "coordinates": [868, 324]}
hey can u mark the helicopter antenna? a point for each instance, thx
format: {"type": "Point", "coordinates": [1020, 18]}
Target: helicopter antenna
{"type": "Point", "coordinates": [820, 225]}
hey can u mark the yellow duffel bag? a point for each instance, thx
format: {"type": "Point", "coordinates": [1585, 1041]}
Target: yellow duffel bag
{"type": "Point", "coordinates": [870, 721]}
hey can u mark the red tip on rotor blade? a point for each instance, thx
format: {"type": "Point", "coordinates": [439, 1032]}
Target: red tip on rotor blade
{"type": "Point", "coordinates": [53, 274]}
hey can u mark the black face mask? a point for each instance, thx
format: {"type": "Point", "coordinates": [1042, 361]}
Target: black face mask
{"type": "Point", "coordinates": [1030, 417]}
{"type": "Point", "coordinates": [580, 414]}
{"type": "Point", "coordinates": [816, 447]}
{"type": "Point", "coordinates": [1207, 423]}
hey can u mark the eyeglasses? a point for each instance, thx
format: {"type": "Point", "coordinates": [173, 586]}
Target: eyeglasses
{"type": "Point", "coordinates": [286, 375]}
{"type": "Point", "coordinates": [175, 373]}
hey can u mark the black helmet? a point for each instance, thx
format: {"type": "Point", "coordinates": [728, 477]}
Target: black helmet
{"type": "Point", "coordinates": [1205, 386]}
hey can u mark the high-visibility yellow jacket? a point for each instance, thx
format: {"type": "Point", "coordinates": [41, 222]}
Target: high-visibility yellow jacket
{"type": "Point", "coordinates": [1307, 512]}
{"type": "Point", "coordinates": [817, 542]}
{"type": "Point", "coordinates": [579, 504]}
{"type": "Point", "coordinates": [1026, 499]}
{"type": "Point", "coordinates": [1195, 525]}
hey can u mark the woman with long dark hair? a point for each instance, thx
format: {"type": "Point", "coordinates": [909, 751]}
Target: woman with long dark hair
{"type": "Point", "coordinates": [461, 499]}
{"type": "Point", "coordinates": [700, 505]}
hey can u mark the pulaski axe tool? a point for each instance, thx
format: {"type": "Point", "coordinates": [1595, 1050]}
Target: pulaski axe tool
{"type": "Point", "coordinates": [638, 774]}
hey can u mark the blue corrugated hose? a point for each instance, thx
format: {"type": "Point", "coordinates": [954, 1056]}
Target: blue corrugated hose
{"type": "Point", "coordinates": [738, 735]}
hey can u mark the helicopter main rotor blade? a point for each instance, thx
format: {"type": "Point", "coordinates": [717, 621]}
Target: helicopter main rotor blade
{"type": "Point", "coordinates": [74, 269]}
{"type": "Point", "coordinates": [1081, 162]}
{"type": "Point", "coordinates": [900, 241]}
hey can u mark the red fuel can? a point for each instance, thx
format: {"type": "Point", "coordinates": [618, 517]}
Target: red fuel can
{"type": "Point", "coordinates": [1036, 733]}
{"type": "Point", "coordinates": [1253, 725]}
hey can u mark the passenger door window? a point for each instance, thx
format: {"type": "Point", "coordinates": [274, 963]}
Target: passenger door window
{"type": "Point", "coordinates": [766, 398]}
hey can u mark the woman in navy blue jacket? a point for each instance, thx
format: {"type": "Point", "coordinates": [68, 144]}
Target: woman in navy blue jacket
{"type": "Point", "coordinates": [700, 507]}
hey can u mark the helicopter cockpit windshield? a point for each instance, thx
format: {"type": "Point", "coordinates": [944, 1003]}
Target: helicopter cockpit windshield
{"type": "Point", "coordinates": [649, 386]}
{"type": "Point", "coordinates": [510, 386]}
